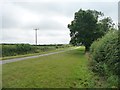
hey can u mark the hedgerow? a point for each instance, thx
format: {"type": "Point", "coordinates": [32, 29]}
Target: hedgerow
{"type": "Point", "coordinates": [20, 49]}
{"type": "Point", "coordinates": [17, 49]}
{"type": "Point", "coordinates": [104, 54]}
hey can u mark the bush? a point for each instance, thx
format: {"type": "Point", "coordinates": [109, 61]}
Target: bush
{"type": "Point", "coordinates": [20, 49]}
{"type": "Point", "coordinates": [8, 50]}
{"type": "Point", "coordinates": [104, 53]}
{"type": "Point", "coordinates": [17, 49]}
{"type": "Point", "coordinates": [24, 48]}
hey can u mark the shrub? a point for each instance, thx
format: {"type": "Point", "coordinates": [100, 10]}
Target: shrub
{"type": "Point", "coordinates": [20, 49]}
{"type": "Point", "coordinates": [17, 49]}
{"type": "Point", "coordinates": [8, 50]}
{"type": "Point", "coordinates": [104, 53]}
{"type": "Point", "coordinates": [24, 48]}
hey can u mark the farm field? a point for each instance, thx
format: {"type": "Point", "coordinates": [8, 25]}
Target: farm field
{"type": "Point", "coordinates": [63, 70]}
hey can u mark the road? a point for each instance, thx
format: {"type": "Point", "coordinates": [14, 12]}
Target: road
{"type": "Point", "coordinates": [26, 58]}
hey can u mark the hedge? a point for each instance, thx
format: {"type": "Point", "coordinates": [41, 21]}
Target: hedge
{"type": "Point", "coordinates": [104, 53]}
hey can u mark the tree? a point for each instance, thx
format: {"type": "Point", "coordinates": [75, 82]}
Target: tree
{"type": "Point", "coordinates": [84, 28]}
{"type": "Point", "coordinates": [105, 25]}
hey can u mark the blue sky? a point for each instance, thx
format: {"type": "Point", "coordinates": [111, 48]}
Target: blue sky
{"type": "Point", "coordinates": [20, 17]}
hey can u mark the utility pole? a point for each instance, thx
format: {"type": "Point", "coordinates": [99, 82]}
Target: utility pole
{"type": "Point", "coordinates": [36, 35]}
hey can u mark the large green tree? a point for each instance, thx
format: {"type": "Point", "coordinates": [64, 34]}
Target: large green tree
{"type": "Point", "coordinates": [85, 28]}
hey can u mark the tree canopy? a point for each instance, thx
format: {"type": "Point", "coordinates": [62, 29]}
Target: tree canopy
{"type": "Point", "coordinates": [85, 28]}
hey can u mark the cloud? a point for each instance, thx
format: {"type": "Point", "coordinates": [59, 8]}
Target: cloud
{"type": "Point", "coordinates": [19, 18]}
{"type": "Point", "coordinates": [45, 24]}
{"type": "Point", "coordinates": [32, 13]}
{"type": "Point", "coordinates": [15, 16]}
{"type": "Point", "coordinates": [44, 37]}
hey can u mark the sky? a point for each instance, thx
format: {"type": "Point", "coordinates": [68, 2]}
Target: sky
{"type": "Point", "coordinates": [20, 18]}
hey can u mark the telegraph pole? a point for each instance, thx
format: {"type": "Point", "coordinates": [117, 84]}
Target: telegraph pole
{"type": "Point", "coordinates": [36, 35]}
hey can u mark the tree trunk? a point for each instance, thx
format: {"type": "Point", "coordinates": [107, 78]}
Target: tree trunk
{"type": "Point", "coordinates": [86, 49]}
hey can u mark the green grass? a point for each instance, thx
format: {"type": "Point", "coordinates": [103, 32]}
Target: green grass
{"type": "Point", "coordinates": [64, 70]}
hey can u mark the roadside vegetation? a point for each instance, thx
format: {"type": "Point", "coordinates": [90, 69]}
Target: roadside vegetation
{"type": "Point", "coordinates": [105, 59]}
{"type": "Point", "coordinates": [101, 41]}
{"type": "Point", "coordinates": [18, 50]}
{"type": "Point", "coordinates": [64, 70]}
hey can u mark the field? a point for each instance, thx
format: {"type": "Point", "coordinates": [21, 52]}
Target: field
{"type": "Point", "coordinates": [64, 70]}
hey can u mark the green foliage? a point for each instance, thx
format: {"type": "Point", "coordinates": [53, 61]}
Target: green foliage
{"type": "Point", "coordinates": [105, 25]}
{"type": "Point", "coordinates": [86, 27]}
{"type": "Point", "coordinates": [104, 53]}
{"type": "Point", "coordinates": [20, 49]}
{"type": "Point", "coordinates": [17, 49]}
{"type": "Point", "coordinates": [24, 48]}
{"type": "Point", "coordinates": [113, 81]}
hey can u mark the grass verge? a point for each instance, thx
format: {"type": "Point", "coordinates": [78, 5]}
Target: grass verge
{"type": "Point", "coordinates": [63, 70]}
